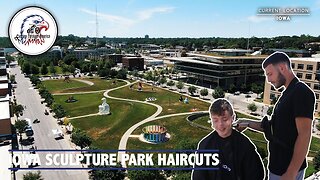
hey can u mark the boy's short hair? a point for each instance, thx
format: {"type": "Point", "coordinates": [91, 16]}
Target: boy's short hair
{"type": "Point", "coordinates": [276, 58]}
{"type": "Point", "coordinates": [219, 106]}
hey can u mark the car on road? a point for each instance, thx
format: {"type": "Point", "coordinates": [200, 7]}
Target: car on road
{"type": "Point", "coordinates": [248, 96]}
{"type": "Point", "coordinates": [237, 93]}
{"type": "Point", "coordinates": [58, 134]}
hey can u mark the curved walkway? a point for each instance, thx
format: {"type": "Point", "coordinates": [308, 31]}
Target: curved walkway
{"type": "Point", "coordinates": [125, 136]}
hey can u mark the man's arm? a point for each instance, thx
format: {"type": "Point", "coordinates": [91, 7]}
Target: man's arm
{"type": "Point", "coordinates": [243, 123]}
{"type": "Point", "coordinates": [301, 147]}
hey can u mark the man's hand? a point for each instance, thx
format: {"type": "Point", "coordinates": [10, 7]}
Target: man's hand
{"type": "Point", "coordinates": [241, 124]}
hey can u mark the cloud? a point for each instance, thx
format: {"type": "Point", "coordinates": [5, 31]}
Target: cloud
{"type": "Point", "coordinates": [111, 18]}
{"type": "Point", "coordinates": [127, 22]}
{"type": "Point", "coordinates": [259, 19]}
{"type": "Point", "coordinates": [148, 13]}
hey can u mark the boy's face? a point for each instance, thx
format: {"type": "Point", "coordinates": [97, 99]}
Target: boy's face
{"type": "Point", "coordinates": [222, 124]}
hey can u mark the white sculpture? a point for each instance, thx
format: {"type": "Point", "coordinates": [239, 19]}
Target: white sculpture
{"type": "Point", "coordinates": [104, 108]}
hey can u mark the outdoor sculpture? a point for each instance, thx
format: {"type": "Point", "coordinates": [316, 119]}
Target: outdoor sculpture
{"type": "Point", "coordinates": [104, 108]}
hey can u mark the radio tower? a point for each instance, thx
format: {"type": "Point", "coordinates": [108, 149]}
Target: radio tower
{"type": "Point", "coordinates": [96, 27]}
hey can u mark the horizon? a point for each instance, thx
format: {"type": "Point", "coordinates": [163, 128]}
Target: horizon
{"type": "Point", "coordinates": [171, 19]}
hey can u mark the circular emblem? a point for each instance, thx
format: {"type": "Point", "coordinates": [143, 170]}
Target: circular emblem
{"type": "Point", "coordinates": [33, 30]}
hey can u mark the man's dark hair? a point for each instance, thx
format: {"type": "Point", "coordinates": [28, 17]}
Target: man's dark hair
{"type": "Point", "coordinates": [276, 58]}
{"type": "Point", "coordinates": [219, 106]}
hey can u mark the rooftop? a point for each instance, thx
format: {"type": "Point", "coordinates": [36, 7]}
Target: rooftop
{"type": "Point", "coordinates": [310, 59]}
{"type": "Point", "coordinates": [4, 98]}
{"type": "Point", "coordinates": [4, 110]}
{"type": "Point", "coordinates": [216, 56]}
{"type": "Point", "coordinates": [4, 85]}
{"type": "Point", "coordinates": [232, 50]}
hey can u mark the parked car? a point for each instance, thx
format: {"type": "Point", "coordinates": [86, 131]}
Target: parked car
{"type": "Point", "coordinates": [237, 93]}
{"type": "Point", "coordinates": [58, 134]}
{"type": "Point", "coordinates": [248, 96]}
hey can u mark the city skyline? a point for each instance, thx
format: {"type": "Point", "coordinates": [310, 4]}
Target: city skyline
{"type": "Point", "coordinates": [171, 19]}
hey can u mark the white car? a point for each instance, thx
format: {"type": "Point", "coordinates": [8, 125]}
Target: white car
{"type": "Point", "coordinates": [58, 134]}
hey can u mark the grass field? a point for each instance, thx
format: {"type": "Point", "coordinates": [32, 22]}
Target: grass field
{"type": "Point", "coordinates": [86, 104]}
{"type": "Point", "coordinates": [60, 86]}
{"type": "Point", "coordinates": [178, 127]}
{"type": "Point", "coordinates": [55, 86]}
{"type": "Point", "coordinates": [168, 100]}
{"type": "Point", "coordinates": [107, 130]}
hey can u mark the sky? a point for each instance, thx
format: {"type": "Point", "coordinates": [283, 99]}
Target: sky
{"type": "Point", "coordinates": [170, 18]}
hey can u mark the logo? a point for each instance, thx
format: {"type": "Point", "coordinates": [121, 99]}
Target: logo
{"type": "Point", "coordinates": [33, 30]}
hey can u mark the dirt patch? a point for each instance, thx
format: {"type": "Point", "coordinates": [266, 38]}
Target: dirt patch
{"type": "Point", "coordinates": [95, 133]}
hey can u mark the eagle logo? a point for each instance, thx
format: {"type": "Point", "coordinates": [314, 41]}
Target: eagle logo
{"type": "Point", "coordinates": [32, 25]}
{"type": "Point", "coordinates": [33, 30]}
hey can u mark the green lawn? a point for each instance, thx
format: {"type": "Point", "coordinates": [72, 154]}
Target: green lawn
{"type": "Point", "coordinates": [61, 86]}
{"type": "Point", "coordinates": [86, 104]}
{"type": "Point", "coordinates": [55, 86]}
{"type": "Point", "coordinates": [107, 130]}
{"type": "Point", "coordinates": [178, 128]}
{"type": "Point", "coordinates": [310, 169]}
{"type": "Point", "coordinates": [99, 84]}
{"type": "Point", "coordinates": [168, 100]}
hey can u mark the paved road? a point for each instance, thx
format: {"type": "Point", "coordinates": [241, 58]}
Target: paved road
{"type": "Point", "coordinates": [43, 135]}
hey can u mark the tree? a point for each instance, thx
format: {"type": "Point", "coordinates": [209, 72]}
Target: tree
{"type": "Point", "coordinates": [232, 88]}
{"type": "Point", "coordinates": [13, 79]}
{"type": "Point", "coordinates": [252, 107]}
{"type": "Point", "coordinates": [52, 69]}
{"type": "Point", "coordinates": [34, 69]}
{"type": "Point", "coordinates": [316, 161]}
{"type": "Point", "coordinates": [170, 84]}
{"type": "Point", "coordinates": [162, 81]}
{"type": "Point", "coordinates": [218, 93]}
{"type": "Point", "coordinates": [68, 59]}
{"type": "Point", "coordinates": [270, 110]}
{"type": "Point", "coordinates": [274, 100]}
{"type": "Point", "coordinates": [108, 175]}
{"type": "Point", "coordinates": [122, 74]}
{"type": "Point", "coordinates": [17, 109]}
{"type": "Point", "coordinates": [204, 92]}
{"type": "Point", "coordinates": [81, 139]}
{"type": "Point", "coordinates": [58, 110]}
{"type": "Point", "coordinates": [243, 87]}
{"type": "Point", "coordinates": [72, 69]}
{"type": "Point", "coordinates": [64, 68]}
{"type": "Point", "coordinates": [44, 69]}
{"type": "Point", "coordinates": [26, 67]}
{"type": "Point", "coordinates": [32, 176]}
{"type": "Point", "coordinates": [144, 174]}
{"type": "Point", "coordinates": [180, 85]}
{"type": "Point", "coordinates": [192, 90]}
{"type": "Point", "coordinates": [21, 125]}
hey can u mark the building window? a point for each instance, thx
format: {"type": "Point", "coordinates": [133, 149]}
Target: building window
{"type": "Point", "coordinates": [299, 75]}
{"type": "Point", "coordinates": [300, 66]}
{"type": "Point", "coordinates": [317, 95]}
{"type": "Point", "coordinates": [308, 84]}
{"type": "Point", "coordinates": [316, 87]}
{"type": "Point", "coordinates": [308, 76]}
{"type": "Point", "coordinates": [292, 65]}
{"type": "Point", "coordinates": [310, 67]}
{"type": "Point", "coordinates": [316, 106]}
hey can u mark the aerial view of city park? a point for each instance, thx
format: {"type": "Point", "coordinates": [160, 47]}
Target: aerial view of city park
{"type": "Point", "coordinates": [138, 114]}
